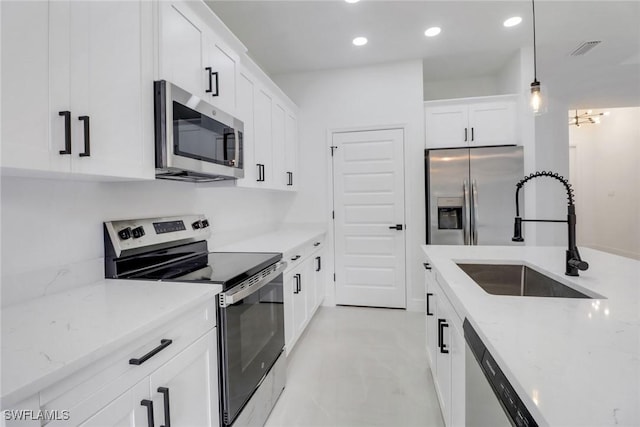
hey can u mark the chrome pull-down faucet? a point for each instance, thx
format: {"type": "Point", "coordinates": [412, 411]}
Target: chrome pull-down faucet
{"type": "Point", "coordinates": [573, 260]}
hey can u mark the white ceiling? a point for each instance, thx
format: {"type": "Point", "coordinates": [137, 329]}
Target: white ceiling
{"type": "Point", "coordinates": [294, 36]}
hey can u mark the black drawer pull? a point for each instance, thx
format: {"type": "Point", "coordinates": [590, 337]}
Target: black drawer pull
{"type": "Point", "coordinates": [163, 344]}
{"type": "Point", "coordinates": [319, 264]}
{"type": "Point", "coordinates": [87, 143]}
{"type": "Point", "coordinates": [295, 258]}
{"type": "Point", "coordinates": [149, 405]}
{"type": "Point", "coordinates": [429, 313]}
{"type": "Point", "coordinates": [426, 265]}
{"type": "Point", "coordinates": [316, 244]}
{"type": "Point", "coordinates": [296, 288]}
{"type": "Point", "coordinates": [67, 131]}
{"type": "Point", "coordinates": [167, 416]}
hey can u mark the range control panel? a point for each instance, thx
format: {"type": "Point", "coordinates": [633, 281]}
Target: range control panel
{"type": "Point", "coordinates": [139, 233]}
{"type": "Point", "coordinates": [504, 391]}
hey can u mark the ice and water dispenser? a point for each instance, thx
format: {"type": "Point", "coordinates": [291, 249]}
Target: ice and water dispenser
{"type": "Point", "coordinates": [449, 213]}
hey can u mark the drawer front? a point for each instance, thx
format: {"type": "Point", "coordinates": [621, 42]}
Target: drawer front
{"type": "Point", "coordinates": [110, 376]}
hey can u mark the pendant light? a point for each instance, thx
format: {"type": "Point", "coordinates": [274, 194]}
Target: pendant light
{"type": "Point", "coordinates": [536, 96]}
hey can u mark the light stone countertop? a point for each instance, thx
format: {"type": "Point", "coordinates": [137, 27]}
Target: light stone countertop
{"type": "Point", "coordinates": [573, 362]}
{"type": "Point", "coordinates": [283, 240]}
{"type": "Point", "coordinates": [48, 338]}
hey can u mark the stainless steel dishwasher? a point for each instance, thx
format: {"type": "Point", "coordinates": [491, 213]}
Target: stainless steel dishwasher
{"type": "Point", "coordinates": [490, 400]}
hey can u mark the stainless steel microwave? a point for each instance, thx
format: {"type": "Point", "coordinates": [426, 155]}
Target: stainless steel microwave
{"type": "Point", "coordinates": [194, 141]}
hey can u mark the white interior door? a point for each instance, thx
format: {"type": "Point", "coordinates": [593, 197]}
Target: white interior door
{"type": "Point", "coordinates": [368, 170]}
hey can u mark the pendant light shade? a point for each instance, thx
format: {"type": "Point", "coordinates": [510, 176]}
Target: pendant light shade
{"type": "Point", "coordinates": [537, 104]}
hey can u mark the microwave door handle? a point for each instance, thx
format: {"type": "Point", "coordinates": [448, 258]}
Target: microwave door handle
{"type": "Point", "coordinates": [465, 215]}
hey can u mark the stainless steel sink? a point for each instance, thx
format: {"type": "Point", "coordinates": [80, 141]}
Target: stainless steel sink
{"type": "Point", "coordinates": [518, 280]}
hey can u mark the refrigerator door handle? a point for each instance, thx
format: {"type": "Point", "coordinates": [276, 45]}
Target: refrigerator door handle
{"type": "Point", "coordinates": [465, 212]}
{"type": "Point", "coordinates": [474, 208]}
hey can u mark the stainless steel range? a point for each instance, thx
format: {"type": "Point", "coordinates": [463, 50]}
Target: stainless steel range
{"type": "Point", "coordinates": [250, 312]}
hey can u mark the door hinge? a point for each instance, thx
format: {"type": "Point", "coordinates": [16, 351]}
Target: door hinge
{"type": "Point", "coordinates": [333, 147]}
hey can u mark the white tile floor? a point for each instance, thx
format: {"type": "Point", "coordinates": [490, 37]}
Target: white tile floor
{"type": "Point", "coordinates": [359, 367]}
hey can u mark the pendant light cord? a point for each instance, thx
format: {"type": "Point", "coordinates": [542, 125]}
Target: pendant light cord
{"type": "Point", "coordinates": [535, 74]}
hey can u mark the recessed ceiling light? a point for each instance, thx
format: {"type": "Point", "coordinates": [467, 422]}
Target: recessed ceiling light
{"type": "Point", "coordinates": [433, 31]}
{"type": "Point", "coordinates": [512, 22]}
{"type": "Point", "coordinates": [352, 1]}
{"type": "Point", "coordinates": [360, 41]}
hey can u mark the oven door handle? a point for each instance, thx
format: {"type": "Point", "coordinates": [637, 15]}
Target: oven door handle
{"type": "Point", "coordinates": [247, 288]}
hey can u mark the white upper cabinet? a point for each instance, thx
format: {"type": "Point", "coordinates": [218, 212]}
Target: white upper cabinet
{"type": "Point", "coordinates": [291, 151]}
{"type": "Point", "coordinates": [194, 58]}
{"type": "Point", "coordinates": [263, 125]}
{"type": "Point", "coordinates": [471, 122]}
{"type": "Point", "coordinates": [69, 104]}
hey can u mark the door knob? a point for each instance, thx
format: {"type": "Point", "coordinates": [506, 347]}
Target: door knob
{"type": "Point", "coordinates": [396, 227]}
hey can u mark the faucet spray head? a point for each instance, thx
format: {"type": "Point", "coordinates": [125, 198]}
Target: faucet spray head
{"type": "Point", "coordinates": [517, 230]}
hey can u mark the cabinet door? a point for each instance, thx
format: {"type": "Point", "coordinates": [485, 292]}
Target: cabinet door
{"type": "Point", "coordinates": [458, 387]}
{"type": "Point", "coordinates": [181, 49]}
{"type": "Point", "coordinates": [309, 288]}
{"type": "Point", "coordinates": [223, 62]}
{"type": "Point", "coordinates": [493, 123]}
{"type": "Point", "coordinates": [443, 360]}
{"type": "Point", "coordinates": [300, 301]}
{"type": "Point", "coordinates": [446, 126]}
{"type": "Point", "coordinates": [26, 112]}
{"type": "Point", "coordinates": [291, 151]}
{"type": "Point", "coordinates": [191, 383]}
{"type": "Point", "coordinates": [262, 137]}
{"type": "Point", "coordinates": [111, 85]}
{"type": "Point", "coordinates": [431, 320]}
{"type": "Point", "coordinates": [245, 113]}
{"type": "Point", "coordinates": [278, 146]}
{"type": "Point", "coordinates": [320, 276]}
{"type": "Point", "coordinates": [125, 410]}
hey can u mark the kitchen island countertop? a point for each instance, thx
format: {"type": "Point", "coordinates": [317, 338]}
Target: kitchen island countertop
{"type": "Point", "coordinates": [572, 361]}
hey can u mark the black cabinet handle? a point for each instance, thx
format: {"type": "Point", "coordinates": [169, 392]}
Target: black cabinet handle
{"type": "Point", "coordinates": [215, 74]}
{"type": "Point", "coordinates": [149, 405]}
{"type": "Point", "coordinates": [472, 134]}
{"type": "Point", "coordinates": [426, 266]}
{"type": "Point", "coordinates": [296, 288]}
{"type": "Point", "coordinates": [299, 282]}
{"type": "Point", "coordinates": [429, 313]}
{"type": "Point", "coordinates": [163, 344]}
{"type": "Point", "coordinates": [465, 134]}
{"type": "Point", "coordinates": [442, 323]}
{"type": "Point", "coordinates": [260, 172]}
{"type": "Point", "coordinates": [297, 257]}
{"type": "Point", "coordinates": [396, 227]}
{"type": "Point", "coordinates": [208, 69]}
{"type": "Point", "coordinates": [87, 143]}
{"type": "Point", "coordinates": [319, 264]}
{"type": "Point", "coordinates": [167, 415]}
{"type": "Point", "coordinates": [67, 131]}
{"type": "Point", "coordinates": [315, 244]}
{"type": "Point", "coordinates": [289, 178]}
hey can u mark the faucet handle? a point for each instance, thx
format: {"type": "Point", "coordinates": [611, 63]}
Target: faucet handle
{"type": "Point", "coordinates": [579, 264]}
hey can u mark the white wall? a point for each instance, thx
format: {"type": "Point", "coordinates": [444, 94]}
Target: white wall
{"type": "Point", "coordinates": [52, 229]}
{"type": "Point", "coordinates": [607, 182]}
{"type": "Point", "coordinates": [389, 94]}
{"type": "Point", "coordinates": [461, 88]}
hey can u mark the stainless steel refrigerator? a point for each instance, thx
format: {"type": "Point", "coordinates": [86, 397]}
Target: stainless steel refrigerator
{"type": "Point", "coordinates": [471, 194]}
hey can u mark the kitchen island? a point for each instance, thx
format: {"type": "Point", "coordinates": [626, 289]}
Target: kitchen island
{"type": "Point", "coordinates": [572, 361]}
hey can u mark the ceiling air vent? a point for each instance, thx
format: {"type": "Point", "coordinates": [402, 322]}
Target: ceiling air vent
{"type": "Point", "coordinates": [585, 47]}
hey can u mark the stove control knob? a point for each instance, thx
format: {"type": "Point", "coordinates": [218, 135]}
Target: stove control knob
{"type": "Point", "coordinates": [197, 225]}
{"type": "Point", "coordinates": [205, 223]}
{"type": "Point", "coordinates": [137, 232]}
{"type": "Point", "coordinates": [125, 233]}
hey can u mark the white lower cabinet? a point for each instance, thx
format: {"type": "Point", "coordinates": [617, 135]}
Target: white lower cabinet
{"type": "Point", "coordinates": [304, 284]}
{"type": "Point", "coordinates": [152, 382]}
{"type": "Point", "coordinates": [445, 351]}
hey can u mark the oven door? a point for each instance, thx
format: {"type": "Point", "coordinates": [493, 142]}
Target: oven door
{"type": "Point", "coordinates": [251, 337]}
